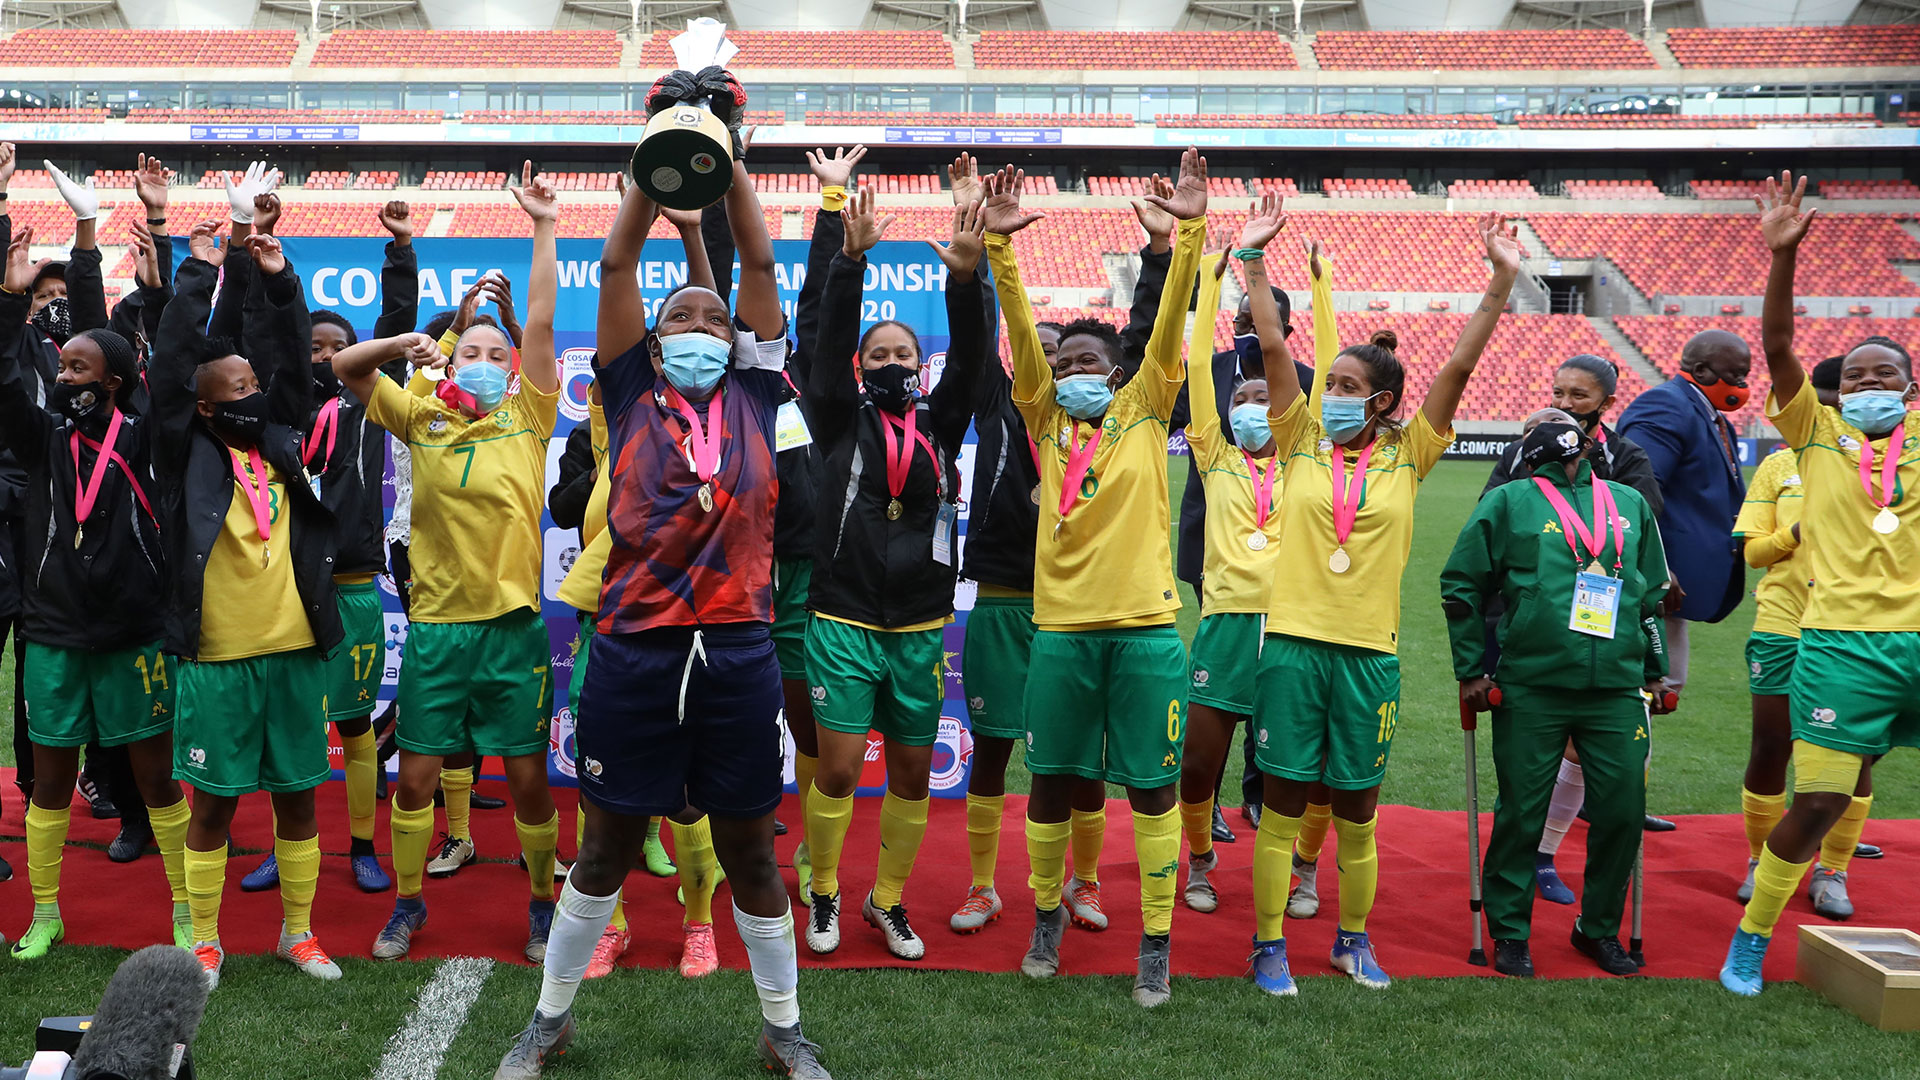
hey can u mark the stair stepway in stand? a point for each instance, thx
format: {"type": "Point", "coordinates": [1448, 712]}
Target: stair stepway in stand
{"type": "Point", "coordinates": [1626, 350]}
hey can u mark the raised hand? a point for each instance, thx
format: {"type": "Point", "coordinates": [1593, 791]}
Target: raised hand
{"type": "Point", "coordinates": [146, 258]}
{"type": "Point", "coordinates": [1782, 225]}
{"type": "Point", "coordinates": [684, 220]}
{"type": "Point", "coordinates": [266, 211]}
{"type": "Point", "coordinates": [1001, 210]}
{"type": "Point", "coordinates": [204, 242]}
{"type": "Point", "coordinates": [535, 195]}
{"type": "Point", "coordinates": [9, 160]}
{"type": "Point", "coordinates": [151, 179]}
{"type": "Point", "coordinates": [397, 218]}
{"type": "Point", "coordinates": [257, 180]}
{"type": "Point", "coordinates": [497, 290]}
{"type": "Point", "coordinates": [1314, 266]}
{"type": "Point", "coordinates": [419, 350]}
{"type": "Point", "coordinates": [1502, 241]}
{"type": "Point", "coordinates": [469, 305]}
{"type": "Point", "coordinates": [266, 252]}
{"type": "Point", "coordinates": [81, 197]}
{"type": "Point", "coordinates": [836, 169]}
{"type": "Point", "coordinates": [1189, 199]}
{"type": "Point", "coordinates": [1264, 223]}
{"type": "Point", "coordinates": [964, 176]}
{"type": "Point", "coordinates": [1158, 223]}
{"type": "Point", "coordinates": [865, 227]}
{"type": "Point", "coordinates": [962, 253]}
{"type": "Point", "coordinates": [19, 273]}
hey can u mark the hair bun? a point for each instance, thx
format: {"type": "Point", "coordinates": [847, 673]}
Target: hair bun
{"type": "Point", "coordinates": [1386, 339]}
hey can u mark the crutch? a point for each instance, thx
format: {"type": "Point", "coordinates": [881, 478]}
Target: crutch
{"type": "Point", "coordinates": [1669, 701]}
{"type": "Point", "coordinates": [1477, 956]}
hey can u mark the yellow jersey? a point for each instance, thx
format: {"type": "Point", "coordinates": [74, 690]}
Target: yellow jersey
{"type": "Point", "coordinates": [1862, 579]}
{"type": "Point", "coordinates": [250, 603]}
{"type": "Point", "coordinates": [581, 588]}
{"type": "Point", "coordinates": [1108, 563]}
{"type": "Point", "coordinates": [1774, 503]}
{"type": "Point", "coordinates": [478, 488]}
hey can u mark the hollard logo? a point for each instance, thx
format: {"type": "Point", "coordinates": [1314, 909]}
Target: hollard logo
{"type": "Point", "coordinates": [592, 767]}
{"type": "Point", "coordinates": [1200, 678]}
{"type": "Point", "coordinates": [818, 693]}
{"type": "Point", "coordinates": [1824, 717]}
{"type": "Point", "coordinates": [1263, 736]}
{"type": "Point", "coordinates": [976, 703]}
{"type": "Point", "coordinates": [196, 756]}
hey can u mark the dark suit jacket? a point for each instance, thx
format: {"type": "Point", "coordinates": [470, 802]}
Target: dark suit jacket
{"type": "Point", "coordinates": [1703, 489]}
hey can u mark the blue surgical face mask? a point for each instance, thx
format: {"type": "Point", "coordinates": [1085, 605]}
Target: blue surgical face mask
{"type": "Point", "coordinates": [1250, 428]}
{"type": "Point", "coordinates": [1343, 417]}
{"type": "Point", "coordinates": [487, 384]}
{"type": "Point", "coordinates": [1875, 412]}
{"type": "Point", "coordinates": [693, 362]}
{"type": "Point", "coordinates": [1083, 396]}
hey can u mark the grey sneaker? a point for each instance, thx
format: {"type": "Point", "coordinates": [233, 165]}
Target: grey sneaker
{"type": "Point", "coordinates": [786, 1052]}
{"type": "Point", "coordinates": [1200, 894]}
{"type": "Point", "coordinates": [1828, 892]}
{"type": "Point", "coordinates": [893, 925]}
{"type": "Point", "coordinates": [396, 938]}
{"type": "Point", "coordinates": [1304, 901]}
{"type": "Point", "coordinates": [539, 928]}
{"type": "Point", "coordinates": [823, 924]}
{"type": "Point", "coordinates": [981, 907]}
{"type": "Point", "coordinates": [544, 1037]}
{"type": "Point", "coordinates": [1043, 948]}
{"type": "Point", "coordinates": [453, 854]}
{"type": "Point", "coordinates": [1083, 902]}
{"type": "Point", "coordinates": [1151, 986]}
{"type": "Point", "coordinates": [1745, 892]}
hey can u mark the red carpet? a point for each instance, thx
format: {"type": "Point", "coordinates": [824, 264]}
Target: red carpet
{"type": "Point", "coordinates": [1420, 922]}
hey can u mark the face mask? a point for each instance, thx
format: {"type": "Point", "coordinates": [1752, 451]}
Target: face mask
{"type": "Point", "coordinates": [77, 401]}
{"type": "Point", "coordinates": [487, 384]}
{"type": "Point", "coordinates": [1875, 412]}
{"type": "Point", "coordinates": [1550, 443]}
{"type": "Point", "coordinates": [1250, 428]}
{"type": "Point", "coordinates": [1722, 394]}
{"type": "Point", "coordinates": [241, 421]}
{"type": "Point", "coordinates": [893, 387]}
{"type": "Point", "coordinates": [325, 383]}
{"type": "Point", "coordinates": [693, 362]}
{"type": "Point", "coordinates": [1083, 396]}
{"type": "Point", "coordinates": [55, 319]}
{"type": "Point", "coordinates": [1343, 417]}
{"type": "Point", "coordinates": [1587, 419]}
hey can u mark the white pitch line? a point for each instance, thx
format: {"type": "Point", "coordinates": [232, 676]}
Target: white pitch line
{"type": "Point", "coordinates": [417, 1049]}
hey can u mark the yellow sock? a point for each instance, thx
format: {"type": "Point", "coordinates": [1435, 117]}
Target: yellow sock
{"type": "Point", "coordinates": [1089, 836]}
{"type": "Point", "coordinates": [412, 834]}
{"type": "Point", "coordinates": [827, 821]}
{"type": "Point", "coordinates": [1047, 861]}
{"type": "Point", "coordinates": [46, 844]}
{"type": "Point", "coordinates": [579, 828]}
{"type": "Point", "coordinates": [1359, 862]}
{"type": "Point", "coordinates": [539, 843]}
{"type": "Point", "coordinates": [206, 874]}
{"type": "Point", "coordinates": [1762, 813]}
{"type": "Point", "coordinates": [299, 876]}
{"type": "Point", "coordinates": [1273, 873]}
{"type": "Point", "coordinates": [619, 921]}
{"type": "Point", "coordinates": [1313, 831]}
{"type": "Point", "coordinates": [1197, 819]}
{"type": "Point", "coordinates": [903, 824]}
{"type": "Point", "coordinates": [983, 836]}
{"type": "Point", "coordinates": [804, 768]}
{"type": "Point", "coordinates": [693, 854]}
{"type": "Point", "coordinates": [360, 768]}
{"type": "Point", "coordinates": [1836, 851]}
{"type": "Point", "coordinates": [170, 832]}
{"type": "Point", "coordinates": [1775, 881]}
{"type": "Point", "coordinates": [457, 786]}
{"type": "Point", "coordinates": [1156, 843]}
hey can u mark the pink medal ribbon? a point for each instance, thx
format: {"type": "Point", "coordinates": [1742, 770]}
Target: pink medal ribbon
{"type": "Point", "coordinates": [1079, 460]}
{"type": "Point", "coordinates": [1347, 493]}
{"type": "Point", "coordinates": [260, 497]}
{"type": "Point", "coordinates": [1884, 522]}
{"type": "Point", "coordinates": [328, 422]}
{"type": "Point", "coordinates": [1262, 497]}
{"type": "Point", "coordinates": [1604, 511]}
{"type": "Point", "coordinates": [88, 493]}
{"type": "Point", "coordinates": [900, 457]}
{"type": "Point", "coordinates": [703, 448]}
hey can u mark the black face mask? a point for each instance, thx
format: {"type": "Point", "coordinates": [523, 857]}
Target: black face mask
{"type": "Point", "coordinates": [1588, 420]}
{"type": "Point", "coordinates": [78, 401]}
{"type": "Point", "coordinates": [55, 319]}
{"type": "Point", "coordinates": [892, 387]}
{"type": "Point", "coordinates": [242, 420]}
{"type": "Point", "coordinates": [325, 383]}
{"type": "Point", "coordinates": [1551, 443]}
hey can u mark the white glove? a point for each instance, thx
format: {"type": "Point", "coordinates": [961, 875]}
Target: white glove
{"type": "Point", "coordinates": [257, 180]}
{"type": "Point", "coordinates": [86, 204]}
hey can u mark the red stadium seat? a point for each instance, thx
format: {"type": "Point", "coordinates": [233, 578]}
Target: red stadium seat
{"type": "Point", "coordinates": [1106, 50]}
{"type": "Point", "coordinates": [1474, 50]}
{"type": "Point", "coordinates": [469, 49]}
{"type": "Point", "coordinates": [888, 49]}
{"type": "Point", "coordinates": [1795, 46]}
{"type": "Point", "coordinates": [203, 49]}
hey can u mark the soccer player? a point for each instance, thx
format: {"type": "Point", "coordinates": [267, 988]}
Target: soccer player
{"type": "Point", "coordinates": [883, 561]}
{"type": "Point", "coordinates": [476, 674]}
{"type": "Point", "coordinates": [1856, 674]}
{"type": "Point", "coordinates": [1530, 543]}
{"type": "Point", "coordinates": [1242, 476]}
{"type": "Point", "coordinates": [1109, 707]}
{"type": "Point", "coordinates": [251, 611]}
{"type": "Point", "coordinates": [1328, 692]}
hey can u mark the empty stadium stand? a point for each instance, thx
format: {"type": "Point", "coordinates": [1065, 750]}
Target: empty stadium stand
{"type": "Point", "coordinates": [818, 49]}
{"type": "Point", "coordinates": [1726, 189]}
{"type": "Point", "coordinates": [1491, 189]}
{"type": "Point", "coordinates": [321, 117]}
{"type": "Point", "coordinates": [1282, 186]}
{"type": "Point", "coordinates": [1869, 189]}
{"type": "Point", "coordinates": [1675, 120]}
{"type": "Point", "coordinates": [56, 47]}
{"type": "Point", "coordinates": [1797, 46]}
{"type": "Point", "coordinates": [1613, 189]}
{"type": "Point", "coordinates": [469, 49]}
{"type": "Point", "coordinates": [1721, 254]}
{"type": "Point", "coordinates": [1324, 120]}
{"type": "Point", "coordinates": [1368, 187]}
{"type": "Point", "coordinates": [1135, 186]}
{"type": "Point", "coordinates": [52, 116]}
{"type": "Point", "coordinates": [951, 119]}
{"type": "Point", "coordinates": [328, 180]}
{"type": "Point", "coordinates": [449, 180]}
{"type": "Point", "coordinates": [1494, 50]}
{"type": "Point", "coordinates": [377, 180]}
{"type": "Point", "coordinates": [1123, 49]}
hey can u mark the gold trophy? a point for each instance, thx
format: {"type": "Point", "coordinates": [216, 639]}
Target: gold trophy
{"type": "Point", "coordinates": [685, 159]}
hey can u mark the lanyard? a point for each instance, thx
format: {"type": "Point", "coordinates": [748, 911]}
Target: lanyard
{"type": "Point", "coordinates": [1079, 460]}
{"type": "Point", "coordinates": [107, 449]}
{"type": "Point", "coordinates": [703, 448]}
{"type": "Point", "coordinates": [260, 496]}
{"type": "Point", "coordinates": [328, 421]}
{"type": "Point", "coordinates": [1263, 487]}
{"type": "Point", "coordinates": [900, 457]}
{"type": "Point", "coordinates": [86, 494]}
{"type": "Point", "coordinates": [1889, 468]}
{"type": "Point", "coordinates": [1346, 503]}
{"type": "Point", "coordinates": [1604, 511]}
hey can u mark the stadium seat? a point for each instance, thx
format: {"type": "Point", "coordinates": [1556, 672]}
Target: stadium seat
{"type": "Point", "coordinates": [944, 119]}
{"type": "Point", "coordinates": [469, 49]}
{"type": "Point", "coordinates": [1795, 46]}
{"type": "Point", "coordinates": [1576, 121]}
{"type": "Point", "coordinates": [1105, 50]}
{"type": "Point", "coordinates": [1368, 187]}
{"type": "Point", "coordinates": [1492, 189]}
{"type": "Point", "coordinates": [1475, 50]}
{"type": "Point", "coordinates": [1869, 189]}
{"type": "Point", "coordinates": [203, 49]}
{"type": "Point", "coordinates": [452, 180]}
{"type": "Point", "coordinates": [377, 180]}
{"type": "Point", "coordinates": [904, 49]}
{"type": "Point", "coordinates": [1325, 120]}
{"type": "Point", "coordinates": [1613, 189]}
{"type": "Point", "coordinates": [318, 117]}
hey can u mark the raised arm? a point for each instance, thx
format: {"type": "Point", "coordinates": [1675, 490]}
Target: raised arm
{"type": "Point", "coordinates": [622, 320]}
{"type": "Point", "coordinates": [358, 366]}
{"type": "Point", "coordinates": [951, 403]}
{"type": "Point", "coordinates": [1188, 205]}
{"type": "Point", "coordinates": [1782, 226]}
{"type": "Point", "coordinates": [280, 334]}
{"type": "Point", "coordinates": [1263, 225]}
{"type": "Point", "coordinates": [23, 423]}
{"type": "Point", "coordinates": [1155, 259]}
{"type": "Point", "coordinates": [757, 303]}
{"type": "Point", "coordinates": [86, 287]}
{"type": "Point", "coordinates": [1450, 382]}
{"type": "Point", "coordinates": [1203, 424]}
{"type": "Point", "coordinates": [700, 264]}
{"type": "Point", "coordinates": [1003, 216]}
{"type": "Point", "coordinates": [539, 364]}
{"type": "Point", "coordinates": [399, 274]}
{"type": "Point", "coordinates": [835, 172]}
{"type": "Point", "coordinates": [180, 344]}
{"type": "Point", "coordinates": [832, 392]}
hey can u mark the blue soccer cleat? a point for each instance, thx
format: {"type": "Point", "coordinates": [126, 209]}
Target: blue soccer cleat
{"type": "Point", "coordinates": [1269, 968]}
{"type": "Point", "coordinates": [396, 938]}
{"type": "Point", "coordinates": [264, 877]}
{"type": "Point", "coordinates": [368, 875]}
{"type": "Point", "coordinates": [1741, 972]}
{"type": "Point", "coordinates": [1547, 879]}
{"type": "Point", "coordinates": [1353, 954]}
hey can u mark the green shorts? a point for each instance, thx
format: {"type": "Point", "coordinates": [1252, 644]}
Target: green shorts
{"type": "Point", "coordinates": [1226, 659]}
{"type": "Point", "coordinates": [791, 580]}
{"type": "Point", "coordinates": [1325, 712]}
{"type": "Point", "coordinates": [882, 680]}
{"type": "Point", "coordinates": [993, 665]}
{"type": "Point", "coordinates": [75, 696]}
{"type": "Point", "coordinates": [1857, 690]}
{"type": "Point", "coordinates": [1108, 705]}
{"type": "Point", "coordinates": [1770, 663]}
{"type": "Point", "coordinates": [582, 642]}
{"type": "Point", "coordinates": [480, 686]}
{"type": "Point", "coordinates": [353, 675]}
{"type": "Point", "coordinates": [258, 724]}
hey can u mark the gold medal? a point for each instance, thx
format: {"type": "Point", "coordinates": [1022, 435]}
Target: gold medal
{"type": "Point", "coordinates": [706, 497]}
{"type": "Point", "coordinates": [1339, 562]}
{"type": "Point", "coordinates": [79, 532]}
{"type": "Point", "coordinates": [894, 510]}
{"type": "Point", "coordinates": [1257, 541]}
{"type": "Point", "coordinates": [1594, 567]}
{"type": "Point", "coordinates": [1036, 495]}
{"type": "Point", "coordinates": [266, 553]}
{"type": "Point", "coordinates": [1884, 522]}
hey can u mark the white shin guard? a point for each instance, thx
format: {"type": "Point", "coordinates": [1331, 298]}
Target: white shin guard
{"type": "Point", "coordinates": [578, 921]}
{"type": "Point", "coordinates": [775, 964]}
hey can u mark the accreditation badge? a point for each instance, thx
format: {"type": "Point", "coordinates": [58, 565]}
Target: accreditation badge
{"type": "Point", "coordinates": [790, 428]}
{"type": "Point", "coordinates": [1596, 604]}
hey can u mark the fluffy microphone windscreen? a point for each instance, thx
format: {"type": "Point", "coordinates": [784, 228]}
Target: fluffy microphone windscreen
{"type": "Point", "coordinates": [151, 1008]}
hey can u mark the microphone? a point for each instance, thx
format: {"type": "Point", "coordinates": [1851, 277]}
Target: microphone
{"type": "Point", "coordinates": [146, 1019]}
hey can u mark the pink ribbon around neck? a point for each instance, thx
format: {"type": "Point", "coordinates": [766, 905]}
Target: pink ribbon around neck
{"type": "Point", "coordinates": [1347, 492]}
{"type": "Point", "coordinates": [1604, 511]}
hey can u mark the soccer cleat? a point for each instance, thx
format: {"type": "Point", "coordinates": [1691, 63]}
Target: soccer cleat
{"type": "Point", "coordinates": [1605, 952]}
{"type": "Point", "coordinates": [265, 876]}
{"type": "Point", "coordinates": [1827, 890]}
{"type": "Point", "coordinates": [1745, 892]}
{"type": "Point", "coordinates": [539, 927]}
{"type": "Point", "coordinates": [1511, 956]}
{"type": "Point", "coordinates": [1200, 894]}
{"type": "Point", "coordinates": [653, 855]}
{"type": "Point", "coordinates": [1741, 972]}
{"type": "Point", "coordinates": [1083, 901]}
{"type": "Point", "coordinates": [211, 956]}
{"type": "Point", "coordinates": [700, 956]}
{"type": "Point", "coordinates": [608, 951]}
{"type": "Point", "coordinates": [786, 1052]}
{"type": "Point", "coordinates": [41, 936]}
{"type": "Point", "coordinates": [544, 1037]}
{"type": "Point", "coordinates": [455, 852]}
{"type": "Point", "coordinates": [1268, 966]}
{"type": "Point", "coordinates": [182, 927]}
{"type": "Point", "coordinates": [1304, 901]}
{"type": "Point", "coordinates": [1043, 948]}
{"type": "Point", "coordinates": [981, 907]}
{"type": "Point", "coordinates": [397, 936]}
{"type": "Point", "coordinates": [892, 924]}
{"type": "Point", "coordinates": [803, 872]}
{"type": "Point", "coordinates": [823, 924]}
{"type": "Point", "coordinates": [1152, 985]}
{"type": "Point", "coordinates": [99, 803]}
{"type": "Point", "coordinates": [368, 875]}
{"type": "Point", "coordinates": [1353, 954]}
{"type": "Point", "coordinates": [303, 951]}
{"type": "Point", "coordinates": [1546, 877]}
{"type": "Point", "coordinates": [131, 841]}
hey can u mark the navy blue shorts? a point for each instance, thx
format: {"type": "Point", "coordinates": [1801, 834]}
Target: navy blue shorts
{"type": "Point", "coordinates": [671, 718]}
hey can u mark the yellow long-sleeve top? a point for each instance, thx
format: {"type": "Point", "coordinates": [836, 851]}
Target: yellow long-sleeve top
{"type": "Point", "coordinates": [1108, 564]}
{"type": "Point", "coordinates": [581, 587]}
{"type": "Point", "coordinates": [1238, 577]}
{"type": "Point", "coordinates": [1767, 518]}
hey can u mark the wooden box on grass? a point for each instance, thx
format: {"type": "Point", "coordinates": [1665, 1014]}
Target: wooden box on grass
{"type": "Point", "coordinates": [1874, 971]}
